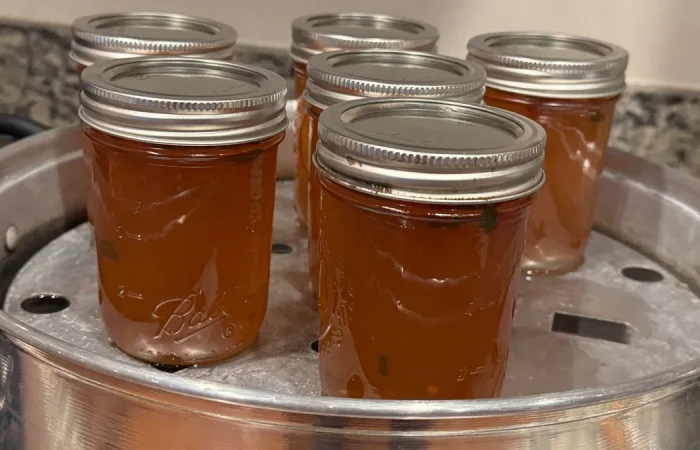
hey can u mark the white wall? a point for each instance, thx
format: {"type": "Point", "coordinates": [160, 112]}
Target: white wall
{"type": "Point", "coordinates": [662, 36]}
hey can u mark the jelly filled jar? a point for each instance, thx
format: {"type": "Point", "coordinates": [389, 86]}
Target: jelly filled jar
{"type": "Point", "coordinates": [320, 33]}
{"type": "Point", "coordinates": [353, 74]}
{"type": "Point", "coordinates": [126, 35]}
{"type": "Point", "coordinates": [184, 154]}
{"type": "Point", "coordinates": [422, 219]}
{"type": "Point", "coordinates": [570, 85]}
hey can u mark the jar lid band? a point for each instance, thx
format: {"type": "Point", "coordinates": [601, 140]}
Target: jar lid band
{"type": "Point", "coordinates": [431, 151]}
{"type": "Point", "coordinates": [319, 33]}
{"type": "Point", "coordinates": [183, 101]}
{"type": "Point", "coordinates": [550, 65]}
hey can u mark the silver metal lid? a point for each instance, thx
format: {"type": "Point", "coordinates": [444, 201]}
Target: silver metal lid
{"type": "Point", "coordinates": [351, 74]}
{"type": "Point", "coordinates": [125, 35]}
{"type": "Point", "coordinates": [431, 151]}
{"type": "Point", "coordinates": [183, 101]}
{"type": "Point", "coordinates": [327, 32]}
{"type": "Point", "coordinates": [550, 65]}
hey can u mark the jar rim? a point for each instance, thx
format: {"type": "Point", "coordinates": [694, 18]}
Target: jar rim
{"type": "Point", "coordinates": [552, 65]}
{"type": "Point", "coordinates": [123, 35]}
{"type": "Point", "coordinates": [183, 101]}
{"type": "Point", "coordinates": [317, 33]}
{"type": "Point", "coordinates": [353, 74]}
{"type": "Point", "coordinates": [431, 151]}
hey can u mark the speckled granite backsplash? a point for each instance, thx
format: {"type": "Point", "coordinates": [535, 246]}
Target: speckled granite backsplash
{"type": "Point", "coordinates": [37, 80]}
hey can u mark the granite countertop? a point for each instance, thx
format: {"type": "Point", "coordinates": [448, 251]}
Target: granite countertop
{"type": "Point", "coordinates": [37, 81]}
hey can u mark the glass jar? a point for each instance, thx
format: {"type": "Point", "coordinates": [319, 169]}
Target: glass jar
{"type": "Point", "coordinates": [354, 74]}
{"type": "Point", "coordinates": [184, 153]}
{"type": "Point", "coordinates": [123, 35]}
{"type": "Point", "coordinates": [315, 34]}
{"type": "Point", "coordinates": [299, 79]}
{"type": "Point", "coordinates": [422, 220]}
{"type": "Point", "coordinates": [570, 86]}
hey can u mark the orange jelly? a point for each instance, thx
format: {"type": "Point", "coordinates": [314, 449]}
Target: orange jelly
{"type": "Point", "coordinates": [122, 35]}
{"type": "Point", "coordinates": [570, 86]}
{"type": "Point", "coordinates": [315, 34]}
{"type": "Point", "coordinates": [423, 209]}
{"type": "Point", "coordinates": [562, 217]}
{"type": "Point", "coordinates": [184, 186]}
{"type": "Point", "coordinates": [354, 74]}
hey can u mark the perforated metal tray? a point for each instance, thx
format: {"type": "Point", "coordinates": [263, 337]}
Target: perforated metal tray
{"type": "Point", "coordinates": [620, 317]}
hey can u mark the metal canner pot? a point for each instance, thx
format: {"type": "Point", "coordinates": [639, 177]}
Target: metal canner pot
{"type": "Point", "coordinates": [604, 358]}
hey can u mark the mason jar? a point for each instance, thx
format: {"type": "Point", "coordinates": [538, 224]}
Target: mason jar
{"type": "Point", "coordinates": [184, 153]}
{"type": "Point", "coordinates": [570, 85]}
{"type": "Point", "coordinates": [126, 35]}
{"type": "Point", "coordinates": [320, 33]}
{"type": "Point", "coordinates": [422, 217]}
{"type": "Point", "coordinates": [353, 74]}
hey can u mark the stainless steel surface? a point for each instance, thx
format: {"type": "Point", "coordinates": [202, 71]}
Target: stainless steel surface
{"type": "Point", "coordinates": [57, 395]}
{"type": "Point", "coordinates": [176, 101]}
{"type": "Point", "coordinates": [430, 151]}
{"type": "Point", "coordinates": [124, 35]}
{"type": "Point", "coordinates": [550, 65]}
{"type": "Point", "coordinates": [11, 238]}
{"type": "Point", "coordinates": [326, 32]}
{"type": "Point", "coordinates": [353, 74]}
